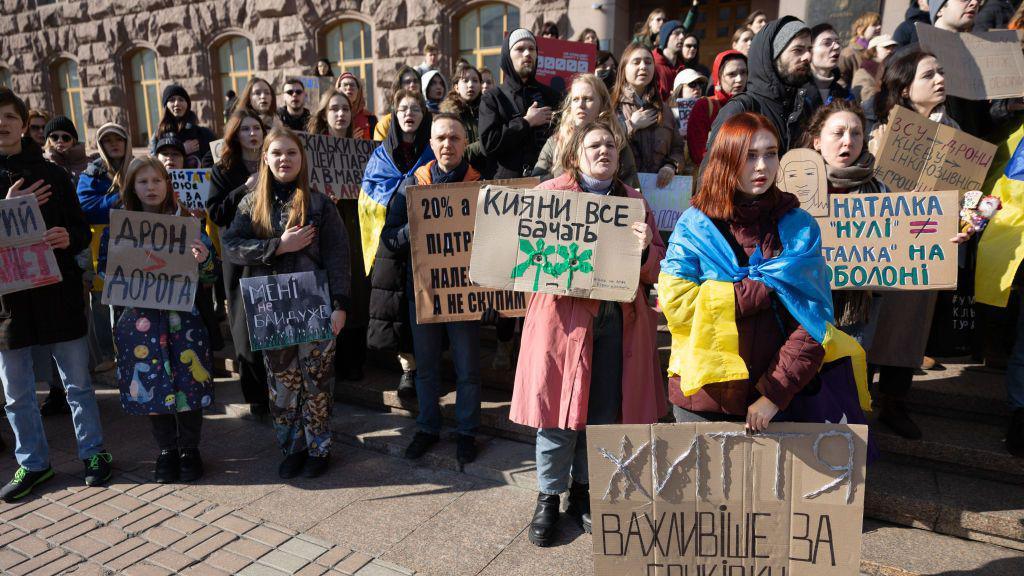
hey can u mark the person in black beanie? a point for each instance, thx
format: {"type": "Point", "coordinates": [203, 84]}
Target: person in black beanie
{"type": "Point", "coordinates": [180, 120]}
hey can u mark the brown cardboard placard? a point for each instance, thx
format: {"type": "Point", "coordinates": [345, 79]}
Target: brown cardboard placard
{"type": "Point", "coordinates": [977, 65]}
{"type": "Point", "coordinates": [802, 173]}
{"type": "Point", "coordinates": [26, 258]}
{"type": "Point", "coordinates": [557, 242]}
{"type": "Point", "coordinates": [918, 154]}
{"type": "Point", "coordinates": [335, 165]}
{"type": "Point", "coordinates": [441, 219]}
{"type": "Point", "coordinates": [895, 241]}
{"type": "Point", "coordinates": [150, 262]}
{"type": "Point", "coordinates": [315, 87]}
{"type": "Point", "coordinates": [708, 498]}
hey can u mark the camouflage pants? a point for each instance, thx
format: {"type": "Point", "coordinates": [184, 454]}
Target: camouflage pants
{"type": "Point", "coordinates": [301, 378]}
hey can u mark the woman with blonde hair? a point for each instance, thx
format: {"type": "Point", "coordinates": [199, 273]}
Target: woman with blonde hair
{"type": "Point", "coordinates": [587, 101]}
{"type": "Point", "coordinates": [863, 29]}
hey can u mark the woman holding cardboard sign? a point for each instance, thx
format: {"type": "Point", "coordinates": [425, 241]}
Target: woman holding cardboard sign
{"type": "Point", "coordinates": [605, 370]}
{"type": "Point", "coordinates": [282, 228]}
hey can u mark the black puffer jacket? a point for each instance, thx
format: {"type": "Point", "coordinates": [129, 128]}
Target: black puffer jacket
{"type": "Point", "coordinates": [54, 313]}
{"type": "Point", "coordinates": [389, 327]}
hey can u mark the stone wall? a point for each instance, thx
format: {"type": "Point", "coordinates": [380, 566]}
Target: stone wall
{"type": "Point", "coordinates": [286, 37]}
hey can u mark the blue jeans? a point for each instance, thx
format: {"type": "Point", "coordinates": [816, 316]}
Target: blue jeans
{"type": "Point", "coordinates": [31, 449]}
{"type": "Point", "coordinates": [561, 455]}
{"type": "Point", "coordinates": [1015, 367]}
{"type": "Point", "coordinates": [428, 344]}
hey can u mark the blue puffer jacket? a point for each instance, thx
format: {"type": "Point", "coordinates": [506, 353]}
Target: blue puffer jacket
{"type": "Point", "coordinates": [96, 193]}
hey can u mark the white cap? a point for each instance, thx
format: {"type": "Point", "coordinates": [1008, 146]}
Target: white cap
{"type": "Point", "coordinates": [687, 77]}
{"type": "Point", "coordinates": [882, 40]}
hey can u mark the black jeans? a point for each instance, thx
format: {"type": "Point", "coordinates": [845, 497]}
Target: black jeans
{"type": "Point", "coordinates": [180, 430]}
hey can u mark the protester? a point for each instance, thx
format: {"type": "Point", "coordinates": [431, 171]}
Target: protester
{"type": "Point", "coordinates": [906, 32]}
{"type": "Point", "coordinates": [606, 68]}
{"type": "Point", "coordinates": [363, 122]}
{"type": "Point", "coordinates": [36, 127]}
{"type": "Point", "coordinates": [958, 16]}
{"type": "Point", "coordinates": [405, 150]}
{"type": "Point", "coordinates": [52, 315]}
{"type": "Point", "coordinates": [648, 33]}
{"type": "Point", "coordinates": [691, 54]}
{"type": "Point", "coordinates": [180, 120]}
{"type": "Point", "coordinates": [435, 88]}
{"type": "Point", "coordinates": [868, 78]}
{"type": "Point", "coordinates": [689, 84]}
{"type": "Point", "coordinates": [230, 101]}
{"type": "Point", "coordinates": [164, 363]}
{"type": "Point", "coordinates": [650, 126]}
{"type": "Point", "coordinates": [63, 147]}
{"type": "Point", "coordinates": [259, 99]}
{"type": "Point", "coordinates": [170, 152]}
{"type": "Point", "coordinates": [294, 114]}
{"type": "Point", "coordinates": [407, 79]}
{"type": "Point", "coordinates": [586, 362]}
{"type": "Point", "coordinates": [283, 228]}
{"type": "Point", "coordinates": [99, 186]}
{"type": "Point", "coordinates": [756, 20]}
{"type": "Point", "coordinates": [668, 56]}
{"type": "Point", "coordinates": [486, 80]}
{"type": "Point", "coordinates": [231, 179]}
{"type": "Point", "coordinates": [824, 85]}
{"type": "Point", "coordinates": [549, 30]}
{"type": "Point", "coordinates": [431, 60]}
{"type": "Point", "coordinates": [864, 28]}
{"type": "Point", "coordinates": [589, 36]}
{"type": "Point", "coordinates": [323, 68]}
{"type": "Point", "coordinates": [741, 39]}
{"type": "Point", "coordinates": [780, 63]}
{"type": "Point", "coordinates": [333, 116]}
{"type": "Point", "coordinates": [515, 118]}
{"type": "Point", "coordinates": [729, 78]}
{"type": "Point", "coordinates": [464, 101]}
{"type": "Point", "coordinates": [588, 101]}
{"type": "Point", "coordinates": [994, 15]}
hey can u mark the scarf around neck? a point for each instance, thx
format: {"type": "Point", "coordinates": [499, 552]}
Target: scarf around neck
{"type": "Point", "coordinates": [853, 176]}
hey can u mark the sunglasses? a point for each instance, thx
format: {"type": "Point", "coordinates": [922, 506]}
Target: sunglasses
{"type": "Point", "coordinates": [61, 138]}
{"type": "Point", "coordinates": [293, 92]}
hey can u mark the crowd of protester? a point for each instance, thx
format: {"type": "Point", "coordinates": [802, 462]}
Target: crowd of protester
{"type": "Point", "coordinates": [782, 84]}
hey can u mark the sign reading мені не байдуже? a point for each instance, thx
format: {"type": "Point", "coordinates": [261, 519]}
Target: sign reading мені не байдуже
{"type": "Point", "coordinates": [287, 309]}
{"type": "Point", "coordinates": [26, 259]}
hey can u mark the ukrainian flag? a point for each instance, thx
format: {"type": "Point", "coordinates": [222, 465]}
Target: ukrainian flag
{"type": "Point", "coordinates": [380, 181]}
{"type": "Point", "coordinates": [695, 290]}
{"type": "Point", "coordinates": [1001, 248]}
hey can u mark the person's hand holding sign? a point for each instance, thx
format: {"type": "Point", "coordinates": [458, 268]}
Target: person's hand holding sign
{"type": "Point", "coordinates": [296, 238]}
{"type": "Point", "coordinates": [40, 189]}
{"type": "Point", "coordinates": [338, 321]}
{"type": "Point", "coordinates": [760, 414]}
{"type": "Point", "coordinates": [643, 234]}
{"type": "Point", "coordinates": [57, 238]}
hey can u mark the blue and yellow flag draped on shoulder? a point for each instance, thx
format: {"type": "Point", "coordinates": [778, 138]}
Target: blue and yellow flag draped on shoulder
{"type": "Point", "coordinates": [695, 290]}
{"type": "Point", "coordinates": [380, 181]}
{"type": "Point", "coordinates": [1001, 248]}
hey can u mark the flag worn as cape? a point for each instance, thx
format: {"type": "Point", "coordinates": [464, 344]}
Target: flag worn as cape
{"type": "Point", "coordinates": [1001, 248]}
{"type": "Point", "coordinates": [696, 292]}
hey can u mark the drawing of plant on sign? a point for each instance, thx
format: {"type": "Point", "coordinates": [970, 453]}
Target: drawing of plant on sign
{"type": "Point", "coordinates": [802, 173]}
{"type": "Point", "coordinates": [573, 262]}
{"type": "Point", "coordinates": [535, 257]}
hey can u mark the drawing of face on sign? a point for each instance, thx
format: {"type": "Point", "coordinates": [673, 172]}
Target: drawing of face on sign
{"type": "Point", "coordinates": [802, 173]}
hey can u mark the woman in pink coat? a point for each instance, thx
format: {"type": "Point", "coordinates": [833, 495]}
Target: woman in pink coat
{"type": "Point", "coordinates": [587, 361]}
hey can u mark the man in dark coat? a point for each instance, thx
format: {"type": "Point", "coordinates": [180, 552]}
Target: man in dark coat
{"type": "Point", "coordinates": [995, 14]}
{"type": "Point", "coordinates": [780, 65]}
{"type": "Point", "coordinates": [294, 113]}
{"type": "Point", "coordinates": [515, 116]}
{"type": "Point", "coordinates": [54, 314]}
{"type": "Point", "coordinates": [906, 32]}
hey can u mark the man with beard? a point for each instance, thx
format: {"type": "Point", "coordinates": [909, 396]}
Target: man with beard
{"type": "Point", "coordinates": [668, 56]}
{"type": "Point", "coordinates": [779, 67]}
{"type": "Point", "coordinates": [515, 118]}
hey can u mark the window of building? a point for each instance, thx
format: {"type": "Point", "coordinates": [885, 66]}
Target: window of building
{"type": "Point", "coordinates": [5, 77]}
{"type": "Point", "coordinates": [481, 32]}
{"type": "Point", "coordinates": [349, 48]}
{"type": "Point", "coordinates": [145, 90]}
{"type": "Point", "coordinates": [234, 66]}
{"type": "Point", "coordinates": [69, 94]}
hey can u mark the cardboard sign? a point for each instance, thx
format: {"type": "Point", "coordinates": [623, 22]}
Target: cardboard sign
{"type": "Point", "coordinates": [150, 262]}
{"type": "Point", "coordinates": [710, 499]}
{"type": "Point", "coordinates": [978, 66]}
{"type": "Point", "coordinates": [217, 150]}
{"type": "Point", "coordinates": [26, 259]}
{"type": "Point", "coordinates": [192, 187]}
{"type": "Point", "coordinates": [557, 242]}
{"type": "Point", "coordinates": [667, 203]}
{"type": "Point", "coordinates": [802, 173]}
{"type": "Point", "coordinates": [441, 221]}
{"type": "Point", "coordinates": [315, 86]}
{"type": "Point", "coordinates": [559, 60]}
{"type": "Point", "coordinates": [682, 112]}
{"type": "Point", "coordinates": [287, 309]}
{"type": "Point", "coordinates": [897, 241]}
{"type": "Point", "coordinates": [336, 165]}
{"type": "Point", "coordinates": [918, 154]}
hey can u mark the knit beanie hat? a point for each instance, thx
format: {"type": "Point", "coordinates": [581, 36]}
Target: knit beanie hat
{"type": "Point", "coordinates": [933, 8]}
{"type": "Point", "coordinates": [666, 30]}
{"type": "Point", "coordinates": [111, 128]}
{"type": "Point", "coordinates": [63, 124]}
{"type": "Point", "coordinates": [786, 33]}
{"type": "Point", "coordinates": [175, 90]}
{"type": "Point", "coordinates": [170, 141]}
{"type": "Point", "coordinates": [520, 34]}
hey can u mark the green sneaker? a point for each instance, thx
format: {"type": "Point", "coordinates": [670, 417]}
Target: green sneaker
{"type": "Point", "coordinates": [97, 468]}
{"type": "Point", "coordinates": [23, 483]}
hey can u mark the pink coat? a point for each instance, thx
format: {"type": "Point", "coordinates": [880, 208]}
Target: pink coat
{"type": "Point", "coordinates": [552, 385]}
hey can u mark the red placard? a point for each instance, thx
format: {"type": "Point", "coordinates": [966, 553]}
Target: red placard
{"type": "Point", "coordinates": [559, 60]}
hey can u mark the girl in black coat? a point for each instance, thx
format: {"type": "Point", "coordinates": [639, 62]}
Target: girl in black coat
{"type": "Point", "coordinates": [180, 120]}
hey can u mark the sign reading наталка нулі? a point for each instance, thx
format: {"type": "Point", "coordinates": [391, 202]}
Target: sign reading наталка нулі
{"type": "Point", "coordinates": [150, 262]}
{"type": "Point", "coordinates": [287, 309]}
{"type": "Point", "coordinates": [26, 259]}
{"type": "Point", "coordinates": [336, 165]}
{"type": "Point", "coordinates": [897, 241]}
{"type": "Point", "coordinates": [557, 242]}
{"type": "Point", "coordinates": [709, 499]}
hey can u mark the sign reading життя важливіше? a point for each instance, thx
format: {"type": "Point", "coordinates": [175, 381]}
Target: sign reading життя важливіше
{"type": "Point", "coordinates": [287, 309]}
{"type": "Point", "coordinates": [441, 219]}
{"type": "Point", "coordinates": [336, 165]}
{"type": "Point", "coordinates": [192, 187]}
{"type": "Point", "coordinates": [150, 262]}
{"type": "Point", "coordinates": [26, 259]}
{"type": "Point", "coordinates": [710, 499]}
{"type": "Point", "coordinates": [557, 242]}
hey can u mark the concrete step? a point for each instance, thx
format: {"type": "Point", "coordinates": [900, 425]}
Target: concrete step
{"type": "Point", "coordinates": [961, 390]}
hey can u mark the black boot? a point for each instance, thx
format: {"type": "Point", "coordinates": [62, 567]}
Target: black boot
{"type": "Point", "coordinates": [292, 465]}
{"type": "Point", "coordinates": [1015, 436]}
{"type": "Point", "coordinates": [191, 465]}
{"type": "Point", "coordinates": [168, 466]}
{"type": "Point", "coordinates": [579, 505]}
{"type": "Point", "coordinates": [894, 415]}
{"type": "Point", "coordinates": [407, 386]}
{"type": "Point", "coordinates": [545, 520]}
{"type": "Point", "coordinates": [55, 403]}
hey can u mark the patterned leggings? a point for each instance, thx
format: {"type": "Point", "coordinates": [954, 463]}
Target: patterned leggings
{"type": "Point", "coordinates": [300, 378]}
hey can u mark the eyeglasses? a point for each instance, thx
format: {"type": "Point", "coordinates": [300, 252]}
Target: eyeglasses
{"type": "Point", "coordinates": [293, 92]}
{"type": "Point", "coordinates": [61, 138]}
{"type": "Point", "coordinates": [689, 45]}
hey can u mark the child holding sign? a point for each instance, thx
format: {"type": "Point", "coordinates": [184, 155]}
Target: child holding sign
{"type": "Point", "coordinates": [164, 368]}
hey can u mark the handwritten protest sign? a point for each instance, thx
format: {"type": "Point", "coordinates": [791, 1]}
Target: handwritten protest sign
{"type": "Point", "coordinates": [559, 60]}
{"type": "Point", "coordinates": [336, 164]}
{"type": "Point", "coordinates": [287, 309]}
{"type": "Point", "coordinates": [150, 262]}
{"type": "Point", "coordinates": [192, 187]}
{"type": "Point", "coordinates": [557, 242]}
{"type": "Point", "coordinates": [977, 66]}
{"type": "Point", "coordinates": [667, 203]}
{"type": "Point", "coordinates": [315, 86]}
{"type": "Point", "coordinates": [441, 221]}
{"type": "Point", "coordinates": [709, 499]}
{"type": "Point", "coordinates": [682, 112]}
{"type": "Point", "coordinates": [802, 173]}
{"type": "Point", "coordinates": [26, 259]}
{"type": "Point", "coordinates": [217, 150]}
{"type": "Point", "coordinates": [918, 154]}
{"type": "Point", "coordinates": [897, 241]}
